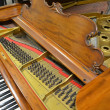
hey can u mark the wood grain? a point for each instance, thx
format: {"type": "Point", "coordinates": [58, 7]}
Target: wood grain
{"type": "Point", "coordinates": [69, 32]}
{"type": "Point", "coordinates": [66, 38]}
{"type": "Point", "coordinates": [82, 72]}
{"type": "Point", "coordinates": [66, 44]}
{"type": "Point", "coordinates": [9, 11]}
{"type": "Point", "coordinates": [96, 94]}
{"type": "Point", "coordinates": [63, 36]}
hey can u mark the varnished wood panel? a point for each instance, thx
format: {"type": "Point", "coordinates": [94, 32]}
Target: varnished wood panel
{"type": "Point", "coordinates": [82, 72]}
{"type": "Point", "coordinates": [63, 36]}
{"type": "Point", "coordinates": [96, 94]}
{"type": "Point", "coordinates": [68, 32]}
{"type": "Point", "coordinates": [9, 11]}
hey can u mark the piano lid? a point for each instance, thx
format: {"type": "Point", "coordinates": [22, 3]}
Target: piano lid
{"type": "Point", "coordinates": [64, 36]}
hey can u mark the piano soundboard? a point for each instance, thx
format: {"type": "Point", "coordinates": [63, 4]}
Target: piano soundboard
{"type": "Point", "coordinates": [48, 79]}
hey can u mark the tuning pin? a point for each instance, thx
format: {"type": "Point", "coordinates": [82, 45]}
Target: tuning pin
{"type": "Point", "coordinates": [47, 82]}
{"type": "Point", "coordinates": [72, 104]}
{"type": "Point", "coordinates": [66, 87]}
{"type": "Point", "coordinates": [58, 82]}
{"type": "Point", "coordinates": [45, 78]}
{"type": "Point", "coordinates": [69, 91]}
{"type": "Point", "coordinates": [61, 94]}
{"type": "Point", "coordinates": [55, 80]}
{"type": "Point", "coordinates": [68, 101]}
{"type": "Point", "coordinates": [57, 91]}
{"type": "Point", "coordinates": [65, 97]}
{"type": "Point", "coordinates": [51, 85]}
{"type": "Point", "coordinates": [72, 95]}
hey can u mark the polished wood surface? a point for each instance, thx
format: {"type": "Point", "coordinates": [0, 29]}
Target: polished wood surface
{"type": "Point", "coordinates": [63, 42]}
{"type": "Point", "coordinates": [60, 35]}
{"type": "Point", "coordinates": [23, 104]}
{"type": "Point", "coordinates": [65, 37]}
{"type": "Point", "coordinates": [82, 72]}
{"type": "Point", "coordinates": [103, 68]}
{"type": "Point", "coordinates": [9, 11]}
{"type": "Point", "coordinates": [25, 89]}
{"type": "Point", "coordinates": [96, 94]}
{"type": "Point", "coordinates": [69, 32]}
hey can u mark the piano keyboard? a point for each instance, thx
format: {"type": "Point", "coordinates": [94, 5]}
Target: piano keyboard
{"type": "Point", "coordinates": [7, 101]}
{"type": "Point", "coordinates": [45, 74]}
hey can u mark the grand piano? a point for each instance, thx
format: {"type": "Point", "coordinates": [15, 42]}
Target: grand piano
{"type": "Point", "coordinates": [47, 61]}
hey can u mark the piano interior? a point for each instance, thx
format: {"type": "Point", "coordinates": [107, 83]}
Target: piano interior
{"type": "Point", "coordinates": [43, 79]}
{"type": "Point", "coordinates": [56, 83]}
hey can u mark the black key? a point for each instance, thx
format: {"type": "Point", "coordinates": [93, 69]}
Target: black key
{"type": "Point", "coordinates": [9, 106]}
{"type": "Point", "coordinates": [5, 97]}
{"type": "Point", "coordinates": [5, 93]}
{"type": "Point", "coordinates": [1, 78]}
{"type": "Point", "coordinates": [2, 82]}
{"type": "Point", "coordinates": [3, 88]}
{"type": "Point", "coordinates": [9, 101]}
{"type": "Point", "coordinates": [14, 107]}
{"type": "Point", "coordinates": [3, 85]}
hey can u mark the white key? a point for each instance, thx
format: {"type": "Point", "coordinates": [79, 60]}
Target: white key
{"type": "Point", "coordinates": [4, 91]}
{"type": "Point", "coordinates": [12, 106]}
{"type": "Point", "coordinates": [9, 98]}
{"type": "Point", "coordinates": [18, 109]}
{"type": "Point", "coordinates": [7, 105]}
{"type": "Point", "coordinates": [1, 80]}
{"type": "Point", "coordinates": [5, 94]}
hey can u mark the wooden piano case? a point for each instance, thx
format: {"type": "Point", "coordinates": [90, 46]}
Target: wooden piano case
{"type": "Point", "coordinates": [65, 39]}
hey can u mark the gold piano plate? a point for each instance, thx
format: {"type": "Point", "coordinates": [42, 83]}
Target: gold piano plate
{"type": "Point", "coordinates": [107, 62]}
{"type": "Point", "coordinates": [104, 39]}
